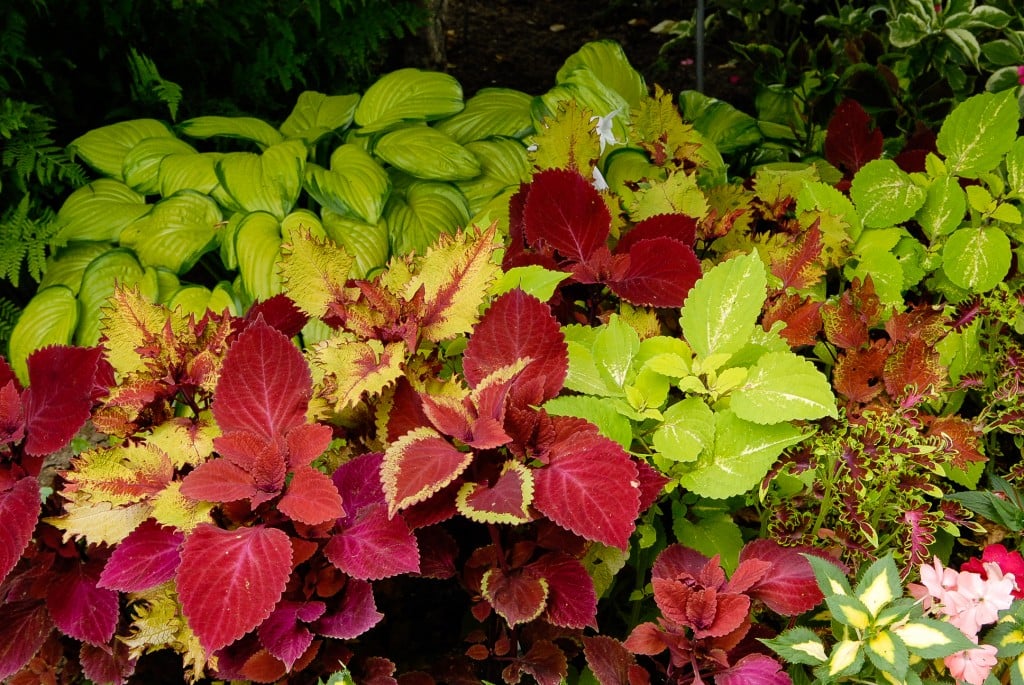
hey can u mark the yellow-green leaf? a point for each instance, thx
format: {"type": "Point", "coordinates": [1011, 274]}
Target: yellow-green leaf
{"type": "Point", "coordinates": [314, 272]}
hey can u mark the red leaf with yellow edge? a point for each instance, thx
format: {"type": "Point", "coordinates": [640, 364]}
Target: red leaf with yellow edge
{"type": "Point", "coordinates": [572, 602]}
{"type": "Point", "coordinates": [913, 372]}
{"type": "Point", "coordinates": [59, 397]}
{"type": "Point", "coordinates": [417, 465]}
{"type": "Point", "coordinates": [229, 581]}
{"type": "Point", "coordinates": [507, 500]}
{"type": "Point", "coordinates": [590, 485]}
{"type": "Point", "coordinates": [80, 608]}
{"type": "Point", "coordinates": [218, 480]}
{"type": "Point", "coordinates": [356, 613]}
{"type": "Point", "coordinates": [264, 386]}
{"type": "Point", "coordinates": [371, 545]}
{"type": "Point", "coordinates": [450, 414]}
{"type": "Point", "coordinates": [517, 595]}
{"type": "Point", "coordinates": [311, 498]}
{"type": "Point", "coordinates": [19, 509]}
{"type": "Point", "coordinates": [658, 273]}
{"type": "Point", "coordinates": [146, 558]}
{"type": "Point", "coordinates": [564, 211]}
{"type": "Point", "coordinates": [285, 633]}
{"type": "Point", "coordinates": [850, 140]}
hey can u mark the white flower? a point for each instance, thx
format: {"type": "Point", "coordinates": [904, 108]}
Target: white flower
{"type": "Point", "coordinates": [604, 129]}
{"type": "Point", "coordinates": [599, 182]}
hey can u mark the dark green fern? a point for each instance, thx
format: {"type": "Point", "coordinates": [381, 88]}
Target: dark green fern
{"type": "Point", "coordinates": [148, 85]}
{"type": "Point", "coordinates": [9, 313]}
{"type": "Point", "coordinates": [24, 241]}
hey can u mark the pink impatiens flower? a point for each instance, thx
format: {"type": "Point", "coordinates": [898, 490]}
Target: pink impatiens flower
{"type": "Point", "coordinates": [979, 600]}
{"type": "Point", "coordinates": [1010, 563]}
{"type": "Point", "coordinates": [972, 666]}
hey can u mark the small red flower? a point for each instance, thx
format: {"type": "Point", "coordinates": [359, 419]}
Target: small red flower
{"type": "Point", "coordinates": [1009, 562]}
{"type": "Point", "coordinates": [1020, 74]}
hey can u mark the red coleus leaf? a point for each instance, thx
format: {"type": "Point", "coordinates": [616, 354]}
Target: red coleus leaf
{"type": "Point", "coordinates": [963, 440]}
{"type": "Point", "coordinates": [647, 639]}
{"type": "Point", "coordinates": [19, 509]}
{"type": "Point", "coordinates": [545, 661]}
{"type": "Point", "coordinates": [913, 372]}
{"type": "Point", "coordinates": [572, 602]}
{"type": "Point", "coordinates": [146, 558]}
{"type": "Point", "coordinates": [218, 480]}
{"type": "Point", "coordinates": [858, 372]}
{"type": "Point", "coordinates": [678, 227]}
{"type": "Point", "coordinates": [789, 587]}
{"type": "Point", "coordinates": [589, 485]}
{"type": "Point", "coordinates": [507, 500]}
{"type": "Point", "coordinates": [439, 551]}
{"type": "Point", "coordinates": [59, 397]}
{"type": "Point", "coordinates": [79, 608]}
{"type": "Point", "coordinates": [356, 613]}
{"type": "Point", "coordinates": [652, 482]}
{"type": "Point", "coordinates": [24, 627]}
{"type": "Point", "coordinates": [609, 660]}
{"type": "Point", "coordinates": [417, 465]}
{"type": "Point", "coordinates": [564, 211]}
{"type": "Point", "coordinates": [517, 595]}
{"type": "Point", "coordinates": [658, 273]}
{"type": "Point", "coordinates": [708, 612]}
{"type": "Point", "coordinates": [278, 312]}
{"type": "Point", "coordinates": [229, 581]}
{"type": "Point", "coordinates": [106, 664]}
{"type": "Point", "coordinates": [12, 414]}
{"type": "Point", "coordinates": [850, 140]}
{"type": "Point", "coordinates": [311, 498]}
{"type": "Point", "coordinates": [848, 321]}
{"type": "Point", "coordinates": [264, 386]}
{"type": "Point", "coordinates": [285, 634]}
{"type": "Point", "coordinates": [802, 317]}
{"type": "Point", "coordinates": [519, 327]}
{"type": "Point", "coordinates": [372, 546]}
{"type": "Point", "coordinates": [677, 561]}
{"type": "Point", "coordinates": [307, 442]}
{"type": "Point", "coordinates": [754, 669]}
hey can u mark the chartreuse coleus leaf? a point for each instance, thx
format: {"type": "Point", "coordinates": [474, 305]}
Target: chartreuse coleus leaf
{"type": "Point", "coordinates": [676, 194]}
{"type": "Point", "coordinates": [722, 308]}
{"type": "Point", "coordinates": [783, 386]}
{"type": "Point", "coordinates": [157, 623]}
{"type": "Point", "coordinates": [884, 194]}
{"type": "Point", "coordinates": [356, 368]}
{"type": "Point", "coordinates": [314, 272]}
{"type": "Point", "coordinates": [533, 280]}
{"type": "Point", "coordinates": [944, 207]}
{"type": "Point", "coordinates": [977, 259]}
{"type": "Point", "coordinates": [609, 420]}
{"type": "Point", "coordinates": [978, 133]}
{"type": "Point", "coordinates": [874, 256]}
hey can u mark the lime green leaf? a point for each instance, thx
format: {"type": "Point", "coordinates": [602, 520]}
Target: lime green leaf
{"type": "Point", "coordinates": [315, 115]}
{"type": "Point", "coordinates": [194, 171]}
{"type": "Point", "coordinates": [258, 250]}
{"type": "Point", "coordinates": [717, 534]}
{"type": "Point", "coordinates": [533, 280]}
{"type": "Point", "coordinates": [117, 266]}
{"type": "Point", "coordinates": [608, 61]}
{"type": "Point", "coordinates": [105, 148]}
{"type": "Point", "coordinates": [929, 638]}
{"type": "Point", "coordinates": [355, 184]}
{"type": "Point", "coordinates": [943, 209]}
{"type": "Point", "coordinates": [367, 243]}
{"type": "Point", "coordinates": [884, 194]}
{"type": "Point", "coordinates": [583, 375]}
{"type": "Point", "coordinates": [427, 153]}
{"type": "Point", "coordinates": [688, 430]}
{"type": "Point", "coordinates": [176, 232]}
{"type": "Point", "coordinates": [66, 265]}
{"type": "Point", "coordinates": [598, 411]}
{"type": "Point", "coordinates": [783, 386]}
{"type": "Point", "coordinates": [679, 193]}
{"type": "Point", "coordinates": [615, 346]}
{"type": "Point", "coordinates": [503, 164]}
{"type": "Point", "coordinates": [408, 95]}
{"type": "Point", "coordinates": [491, 112]}
{"type": "Point", "coordinates": [141, 168]}
{"type": "Point", "coordinates": [978, 132]}
{"type": "Point", "coordinates": [977, 259]}
{"type": "Point", "coordinates": [426, 210]}
{"type": "Point", "coordinates": [722, 308]}
{"type": "Point", "coordinates": [268, 182]}
{"type": "Point", "coordinates": [49, 318]}
{"type": "Point", "coordinates": [99, 211]}
{"type": "Point", "coordinates": [1015, 168]}
{"type": "Point", "coordinates": [799, 646]}
{"type": "Point", "coordinates": [246, 128]}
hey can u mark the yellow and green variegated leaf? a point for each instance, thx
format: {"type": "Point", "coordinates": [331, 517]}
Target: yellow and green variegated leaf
{"type": "Point", "coordinates": [367, 243]}
{"type": "Point", "coordinates": [314, 273]}
{"type": "Point", "coordinates": [849, 611]}
{"type": "Point", "coordinates": [258, 250]}
{"type": "Point", "coordinates": [799, 645]}
{"type": "Point", "coordinates": [315, 115]}
{"type": "Point", "coordinates": [879, 585]}
{"type": "Point", "coordinates": [141, 168]}
{"type": "Point", "coordinates": [114, 267]}
{"type": "Point", "coordinates": [408, 95]}
{"type": "Point", "coordinates": [507, 500]}
{"type": "Point", "coordinates": [583, 87]}
{"type": "Point", "coordinates": [608, 61]}
{"type": "Point", "coordinates": [301, 222]}
{"type": "Point", "coordinates": [269, 182]}
{"type": "Point", "coordinates": [427, 153]}
{"type": "Point", "coordinates": [358, 369]}
{"type": "Point", "coordinates": [66, 265]}
{"type": "Point", "coordinates": [831, 580]}
{"type": "Point", "coordinates": [566, 140]}
{"type": "Point", "coordinates": [492, 112]}
{"type": "Point", "coordinates": [1008, 636]}
{"type": "Point", "coordinates": [176, 233]}
{"type": "Point", "coordinates": [49, 318]}
{"type": "Point", "coordinates": [195, 171]}
{"type": "Point", "coordinates": [185, 441]}
{"type": "Point", "coordinates": [100, 523]}
{"type": "Point", "coordinates": [888, 653]}
{"type": "Point", "coordinates": [425, 211]}
{"type": "Point", "coordinates": [678, 193]}
{"type": "Point", "coordinates": [417, 465]}
{"type": "Point", "coordinates": [929, 638]}
{"type": "Point", "coordinates": [105, 148]}
{"type": "Point", "coordinates": [98, 211]}
{"type": "Point", "coordinates": [503, 164]}
{"type": "Point", "coordinates": [355, 184]}
{"type": "Point", "coordinates": [157, 623]}
{"type": "Point", "coordinates": [118, 475]}
{"type": "Point", "coordinates": [456, 274]}
{"type": "Point", "coordinates": [171, 508]}
{"type": "Point", "coordinates": [246, 128]}
{"type": "Point", "coordinates": [846, 658]}
{"type": "Point", "coordinates": [132, 321]}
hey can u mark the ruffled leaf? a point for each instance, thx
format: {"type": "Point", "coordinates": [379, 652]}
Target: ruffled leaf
{"type": "Point", "coordinates": [311, 498]}
{"type": "Point", "coordinates": [315, 272]}
{"type": "Point", "coordinates": [146, 558]}
{"type": "Point", "coordinates": [417, 465]}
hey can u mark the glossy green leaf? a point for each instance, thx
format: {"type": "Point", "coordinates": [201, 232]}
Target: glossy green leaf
{"type": "Point", "coordinates": [722, 308]}
{"type": "Point", "coordinates": [355, 184]}
{"type": "Point", "coordinates": [367, 243]}
{"type": "Point", "coordinates": [99, 211]}
{"type": "Point", "coordinates": [194, 171]}
{"type": "Point", "coordinates": [884, 194]}
{"type": "Point", "coordinates": [688, 430]}
{"type": "Point", "coordinates": [105, 148]}
{"type": "Point", "coordinates": [726, 127]}
{"type": "Point", "coordinates": [417, 217]}
{"type": "Point", "coordinates": [268, 182]}
{"type": "Point", "coordinates": [245, 128]}
{"type": "Point", "coordinates": [408, 95]}
{"type": "Point", "coordinates": [66, 266]}
{"type": "Point", "coordinates": [258, 250]}
{"type": "Point", "coordinates": [977, 259]}
{"type": "Point", "coordinates": [598, 411]}
{"type": "Point", "coordinates": [608, 62]}
{"type": "Point", "coordinates": [49, 318]}
{"type": "Point", "coordinates": [503, 164]}
{"type": "Point", "coordinates": [117, 266]}
{"type": "Point", "coordinates": [427, 153]}
{"type": "Point", "coordinates": [929, 638]}
{"type": "Point", "coordinates": [978, 133]}
{"type": "Point", "coordinates": [799, 645]}
{"type": "Point", "coordinates": [316, 115]}
{"type": "Point", "coordinates": [492, 112]}
{"type": "Point", "coordinates": [176, 232]}
{"type": "Point", "coordinates": [783, 386]}
{"type": "Point", "coordinates": [141, 169]}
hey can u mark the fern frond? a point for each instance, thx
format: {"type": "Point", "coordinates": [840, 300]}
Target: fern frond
{"type": "Point", "coordinates": [9, 313]}
{"type": "Point", "coordinates": [29, 150]}
{"type": "Point", "coordinates": [24, 239]}
{"type": "Point", "coordinates": [148, 84]}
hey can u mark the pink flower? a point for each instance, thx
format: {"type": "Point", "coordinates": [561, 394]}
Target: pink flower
{"type": "Point", "coordinates": [1011, 563]}
{"type": "Point", "coordinates": [1020, 74]}
{"type": "Point", "coordinates": [977, 601]}
{"type": "Point", "coordinates": [936, 583]}
{"type": "Point", "coordinates": [972, 666]}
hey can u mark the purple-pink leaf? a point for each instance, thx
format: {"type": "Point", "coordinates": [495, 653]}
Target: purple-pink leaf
{"type": "Point", "coordinates": [80, 609]}
{"type": "Point", "coordinates": [59, 397]}
{"type": "Point", "coordinates": [789, 587]}
{"type": "Point", "coordinates": [24, 627]}
{"type": "Point", "coordinates": [19, 509]}
{"type": "Point", "coordinates": [372, 546]}
{"type": "Point", "coordinates": [229, 581]}
{"type": "Point", "coordinates": [358, 481]}
{"type": "Point", "coordinates": [146, 558]}
{"type": "Point", "coordinates": [754, 669]}
{"type": "Point", "coordinates": [356, 614]}
{"type": "Point", "coordinates": [285, 634]}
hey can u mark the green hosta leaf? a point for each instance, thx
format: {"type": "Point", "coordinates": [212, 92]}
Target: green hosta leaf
{"type": "Point", "coordinates": [315, 115]}
{"type": "Point", "coordinates": [978, 132]}
{"type": "Point", "coordinates": [688, 430]}
{"type": "Point", "coordinates": [193, 171]}
{"type": "Point", "coordinates": [944, 207]}
{"type": "Point", "coordinates": [99, 211]}
{"type": "Point", "coordinates": [258, 250]}
{"type": "Point", "coordinates": [355, 184]}
{"type": "Point", "coordinates": [408, 95]}
{"type": "Point", "coordinates": [427, 153]}
{"type": "Point", "coordinates": [49, 318]}
{"type": "Point", "coordinates": [879, 585]}
{"type": "Point", "coordinates": [426, 210]}
{"type": "Point", "coordinates": [598, 411]}
{"type": "Point", "coordinates": [503, 164]}
{"type": "Point", "coordinates": [726, 127]}
{"type": "Point", "coordinates": [141, 169]}
{"type": "Point", "coordinates": [245, 128]}
{"type": "Point", "coordinates": [594, 98]}
{"type": "Point", "coordinates": [977, 259]}
{"type": "Point", "coordinates": [799, 646]}
{"type": "Point", "coordinates": [608, 61]}
{"type": "Point", "coordinates": [105, 148]}
{"type": "Point", "coordinates": [176, 232]}
{"type": "Point", "coordinates": [492, 112]}
{"type": "Point", "coordinates": [783, 386]}
{"type": "Point", "coordinates": [929, 638]}
{"type": "Point", "coordinates": [117, 266]}
{"type": "Point", "coordinates": [268, 182]}
{"type": "Point", "coordinates": [66, 266]}
{"type": "Point", "coordinates": [722, 308]}
{"type": "Point", "coordinates": [743, 453]}
{"type": "Point", "coordinates": [299, 222]}
{"type": "Point", "coordinates": [367, 243]}
{"type": "Point", "coordinates": [533, 280]}
{"type": "Point", "coordinates": [884, 194]}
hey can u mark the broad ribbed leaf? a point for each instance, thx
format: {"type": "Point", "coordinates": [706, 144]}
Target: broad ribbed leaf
{"type": "Point", "coordinates": [572, 602]}
{"type": "Point", "coordinates": [315, 272]}
{"type": "Point", "coordinates": [427, 153]}
{"type": "Point", "coordinates": [230, 581]}
{"type": "Point", "coordinates": [783, 386]}
{"type": "Point", "coordinates": [257, 248]}
{"type": "Point", "coordinates": [105, 148]}
{"type": "Point", "coordinates": [218, 480]}
{"type": "Point", "coordinates": [504, 165]}
{"type": "Point", "coordinates": [80, 609]}
{"type": "Point", "coordinates": [660, 273]}
{"type": "Point", "coordinates": [417, 465]}
{"type": "Point", "coordinates": [269, 182]}
{"type": "Point", "coordinates": [315, 115]}
{"type": "Point", "coordinates": [19, 509]}
{"type": "Point", "coordinates": [356, 614]}
{"type": "Point", "coordinates": [191, 171]}
{"type": "Point", "coordinates": [564, 211]}
{"type": "Point", "coordinates": [517, 595]}
{"type": "Point", "coordinates": [507, 500]}
{"type": "Point", "coordinates": [427, 210]}
{"type": "Point", "coordinates": [608, 61]}
{"type": "Point", "coordinates": [408, 95]}
{"type": "Point", "coordinates": [99, 211]}
{"type": "Point", "coordinates": [311, 498]}
{"type": "Point", "coordinates": [358, 481]}
{"type": "Point", "coordinates": [492, 112]}
{"type": "Point", "coordinates": [176, 232]}
{"type": "Point", "coordinates": [246, 128]}
{"type": "Point", "coordinates": [146, 558]}
{"type": "Point", "coordinates": [944, 207]}
{"type": "Point", "coordinates": [355, 184]}
{"type": "Point", "coordinates": [24, 627]}
{"type": "Point", "coordinates": [722, 308]}
{"type": "Point", "coordinates": [49, 318]}
{"type": "Point", "coordinates": [978, 132]}
{"type": "Point", "coordinates": [977, 259]}
{"type": "Point", "coordinates": [118, 266]}
{"type": "Point", "coordinates": [142, 163]}
{"type": "Point", "coordinates": [367, 243]}
{"type": "Point", "coordinates": [687, 430]}
{"type": "Point", "coordinates": [59, 397]}
{"type": "Point", "coordinates": [372, 546]}
{"type": "Point", "coordinates": [884, 194]}
{"type": "Point", "coordinates": [285, 634]}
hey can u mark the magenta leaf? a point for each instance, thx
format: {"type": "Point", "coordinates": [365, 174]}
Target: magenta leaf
{"type": "Point", "coordinates": [19, 509]}
{"type": "Point", "coordinates": [372, 546]}
{"type": "Point", "coordinates": [24, 627]}
{"type": "Point", "coordinates": [311, 498]}
{"type": "Point", "coordinates": [590, 486]}
{"type": "Point", "coordinates": [788, 587]}
{"type": "Point", "coordinates": [564, 211]}
{"type": "Point", "coordinates": [608, 659]}
{"type": "Point", "coordinates": [659, 273]}
{"type": "Point", "coordinates": [356, 614]}
{"type": "Point", "coordinates": [754, 669]}
{"type": "Point", "coordinates": [12, 413]}
{"type": "Point", "coordinates": [264, 386]}
{"type": "Point", "coordinates": [218, 480]}
{"type": "Point", "coordinates": [285, 634]}
{"type": "Point", "coordinates": [230, 581]}
{"type": "Point", "coordinates": [59, 397]}
{"type": "Point", "coordinates": [81, 609]}
{"type": "Point", "coordinates": [146, 558]}
{"type": "Point", "coordinates": [572, 602]}
{"type": "Point", "coordinates": [358, 481]}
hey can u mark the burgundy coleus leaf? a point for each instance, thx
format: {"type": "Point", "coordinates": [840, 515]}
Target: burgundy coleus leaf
{"type": "Point", "coordinates": [107, 664]}
{"type": "Point", "coordinates": [264, 386]}
{"type": "Point", "coordinates": [658, 273]}
{"type": "Point", "coordinates": [652, 482]}
{"type": "Point", "coordinates": [678, 561]}
{"type": "Point", "coordinates": [517, 595]}
{"type": "Point", "coordinates": [438, 554]}
{"type": "Point", "coordinates": [20, 506]}
{"type": "Point", "coordinates": [611, 662]}
{"type": "Point", "coordinates": [850, 140]}
{"type": "Point", "coordinates": [572, 602]}
{"type": "Point", "coordinates": [507, 500]}
{"type": "Point", "coordinates": [705, 610]}
{"type": "Point", "coordinates": [356, 613]}
{"type": "Point", "coordinates": [589, 485]}
{"type": "Point", "coordinates": [519, 327]}
{"type": "Point", "coordinates": [754, 669]}
{"type": "Point", "coordinates": [788, 587]}
{"type": "Point", "coordinates": [24, 627]}
{"type": "Point", "coordinates": [311, 498]}
{"type": "Point", "coordinates": [545, 661]}
{"type": "Point", "coordinates": [229, 581]}
{"type": "Point", "coordinates": [678, 227]}
{"type": "Point", "coordinates": [285, 633]}
{"type": "Point", "coordinates": [279, 312]}
{"type": "Point", "coordinates": [371, 545]}
{"type": "Point", "coordinates": [146, 558]}
{"type": "Point", "coordinates": [80, 608]}
{"type": "Point", "coordinates": [417, 465]}
{"type": "Point", "coordinates": [564, 211]}
{"type": "Point", "coordinates": [59, 398]}
{"type": "Point", "coordinates": [12, 413]}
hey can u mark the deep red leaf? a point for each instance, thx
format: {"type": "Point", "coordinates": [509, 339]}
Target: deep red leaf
{"type": "Point", "coordinates": [356, 614]}
{"type": "Point", "coordinates": [107, 664]}
{"type": "Point", "coordinates": [652, 482]}
{"type": "Point", "coordinates": [518, 326]}
{"type": "Point", "coordinates": [12, 413]}
{"type": "Point", "coordinates": [7, 374]}
{"type": "Point", "coordinates": [59, 397]}
{"type": "Point", "coordinates": [858, 373]}
{"type": "Point", "coordinates": [79, 608]}
{"type": "Point", "coordinates": [517, 595]}
{"type": "Point", "coordinates": [608, 659]}
{"type": "Point", "coordinates": [358, 481]}
{"type": "Point", "coordinates": [676, 561]}
{"type": "Point", "coordinates": [789, 588]}
{"type": "Point", "coordinates": [24, 627]}
{"type": "Point", "coordinates": [754, 669]}
{"type": "Point", "coordinates": [378, 671]}
{"type": "Point", "coordinates": [438, 552]}
{"type": "Point", "coordinates": [229, 581]}
{"type": "Point", "coordinates": [264, 386]}
{"type": "Point", "coordinates": [285, 634]}
{"type": "Point", "coordinates": [572, 602]}
{"type": "Point", "coordinates": [218, 480]}
{"type": "Point", "coordinates": [19, 509]}
{"type": "Point", "coordinates": [591, 487]}
{"type": "Point", "coordinates": [675, 226]}
{"type": "Point", "coordinates": [659, 273]}
{"type": "Point", "coordinates": [147, 557]}
{"type": "Point", "coordinates": [564, 211]}
{"type": "Point", "coordinates": [373, 546]}
{"type": "Point", "coordinates": [545, 661]}
{"type": "Point", "coordinates": [280, 313]}
{"type": "Point", "coordinates": [851, 141]}
{"type": "Point", "coordinates": [311, 498]}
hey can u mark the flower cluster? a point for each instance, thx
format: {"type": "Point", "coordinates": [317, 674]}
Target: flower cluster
{"type": "Point", "coordinates": [971, 599]}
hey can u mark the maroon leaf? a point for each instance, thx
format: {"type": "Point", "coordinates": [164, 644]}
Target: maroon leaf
{"type": "Point", "coordinates": [107, 664]}
{"type": "Point", "coordinates": [285, 634]}
{"type": "Point", "coordinates": [675, 226]}
{"type": "Point", "coordinates": [439, 551]}
{"type": "Point", "coordinates": [659, 273]}
{"type": "Point", "coordinates": [264, 386]}
{"type": "Point", "coordinates": [572, 602]}
{"type": "Point", "coordinates": [373, 546]}
{"type": "Point", "coordinates": [218, 480]}
{"type": "Point", "coordinates": [356, 614]}
{"type": "Point", "coordinates": [230, 580]}
{"type": "Point", "coordinates": [19, 510]}
{"type": "Point", "coordinates": [564, 211]}
{"type": "Point", "coordinates": [417, 465]}
{"type": "Point", "coordinates": [518, 596]}
{"type": "Point", "coordinates": [789, 588]}
{"type": "Point", "coordinates": [544, 661]}
{"type": "Point", "coordinates": [754, 669]}
{"type": "Point", "coordinates": [12, 413]}
{"type": "Point", "coordinates": [24, 627]}
{"type": "Point", "coordinates": [851, 141]}
{"type": "Point", "coordinates": [311, 498]}
{"type": "Point", "coordinates": [608, 659]}
{"type": "Point", "coordinates": [59, 397]}
{"type": "Point", "coordinates": [80, 609]}
{"type": "Point", "coordinates": [278, 312]}
{"type": "Point", "coordinates": [147, 557]}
